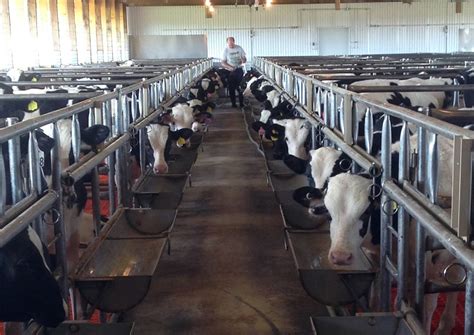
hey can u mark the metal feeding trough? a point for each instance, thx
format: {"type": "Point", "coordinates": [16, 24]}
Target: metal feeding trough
{"type": "Point", "coordinates": [159, 191]}
{"type": "Point", "coordinates": [287, 182]}
{"type": "Point", "coordinates": [86, 328]}
{"type": "Point", "coordinates": [115, 271]}
{"type": "Point", "coordinates": [296, 216]}
{"type": "Point", "coordinates": [278, 167]}
{"type": "Point", "coordinates": [325, 282]}
{"type": "Point", "coordinates": [363, 324]}
{"type": "Point", "coordinates": [181, 162]}
{"type": "Point", "coordinates": [141, 223]}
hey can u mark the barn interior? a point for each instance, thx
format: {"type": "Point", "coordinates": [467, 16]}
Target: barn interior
{"type": "Point", "coordinates": [236, 166]}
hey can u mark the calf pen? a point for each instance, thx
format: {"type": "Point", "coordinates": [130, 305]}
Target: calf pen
{"type": "Point", "coordinates": [102, 276]}
{"type": "Point", "coordinates": [331, 112]}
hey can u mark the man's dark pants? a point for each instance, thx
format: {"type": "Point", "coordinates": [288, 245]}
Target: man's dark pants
{"type": "Point", "coordinates": [235, 77]}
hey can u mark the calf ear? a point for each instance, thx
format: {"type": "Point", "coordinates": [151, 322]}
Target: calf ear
{"type": "Point", "coordinates": [296, 164]}
{"type": "Point", "coordinates": [165, 118]}
{"type": "Point", "coordinates": [304, 195]}
{"type": "Point", "coordinates": [45, 143]}
{"type": "Point", "coordinates": [95, 135]}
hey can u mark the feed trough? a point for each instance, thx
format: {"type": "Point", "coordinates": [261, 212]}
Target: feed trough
{"type": "Point", "coordinates": [296, 216]}
{"type": "Point", "coordinates": [159, 191]}
{"type": "Point", "coordinates": [115, 271]}
{"type": "Point", "coordinates": [288, 182]}
{"type": "Point", "coordinates": [86, 328]}
{"type": "Point", "coordinates": [457, 116]}
{"type": "Point", "coordinates": [278, 167]}
{"type": "Point", "coordinates": [341, 284]}
{"type": "Point", "coordinates": [181, 162]}
{"type": "Point", "coordinates": [363, 324]}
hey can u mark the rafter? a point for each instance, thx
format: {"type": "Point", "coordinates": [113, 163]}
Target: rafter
{"type": "Point", "coordinates": [243, 2]}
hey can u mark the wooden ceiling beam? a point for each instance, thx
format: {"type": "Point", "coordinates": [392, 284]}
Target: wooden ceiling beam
{"type": "Point", "coordinates": [338, 4]}
{"type": "Point", "coordinates": [458, 7]}
{"type": "Point", "coordinates": [243, 2]}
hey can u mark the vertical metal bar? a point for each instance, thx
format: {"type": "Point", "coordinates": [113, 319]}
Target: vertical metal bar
{"type": "Point", "coordinates": [107, 116]}
{"type": "Point", "coordinates": [309, 96]}
{"type": "Point", "coordinates": [325, 116]}
{"type": "Point", "coordinates": [76, 138]}
{"type": "Point", "coordinates": [332, 98]}
{"type": "Point", "coordinates": [403, 174]}
{"type": "Point", "coordinates": [432, 175]}
{"type": "Point", "coordinates": [318, 101]}
{"type": "Point", "coordinates": [385, 219]}
{"type": "Point", "coordinates": [95, 190]}
{"type": "Point", "coordinates": [59, 228]}
{"type": "Point", "coordinates": [3, 184]}
{"type": "Point", "coordinates": [91, 119]}
{"type": "Point", "coordinates": [14, 161]}
{"type": "Point", "coordinates": [35, 180]}
{"type": "Point", "coordinates": [469, 305]}
{"type": "Point", "coordinates": [368, 130]}
{"type": "Point", "coordinates": [462, 186]}
{"type": "Point", "coordinates": [456, 94]}
{"type": "Point", "coordinates": [420, 250]}
{"type": "Point", "coordinates": [347, 116]}
{"type": "Point", "coordinates": [134, 106]}
{"type": "Point", "coordinates": [121, 156]}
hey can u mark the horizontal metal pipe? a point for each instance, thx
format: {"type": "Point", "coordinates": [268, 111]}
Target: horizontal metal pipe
{"type": "Point", "coordinates": [412, 88]}
{"type": "Point", "coordinates": [48, 96]}
{"type": "Point", "coordinates": [69, 83]}
{"type": "Point", "coordinates": [18, 208]}
{"type": "Point", "coordinates": [437, 211]}
{"type": "Point", "coordinates": [420, 120]}
{"type": "Point", "coordinates": [452, 243]}
{"type": "Point", "coordinates": [80, 170]}
{"type": "Point", "coordinates": [16, 225]}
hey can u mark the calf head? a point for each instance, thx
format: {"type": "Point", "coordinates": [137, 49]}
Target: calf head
{"type": "Point", "coordinates": [327, 162]}
{"type": "Point", "coordinates": [158, 135]}
{"type": "Point", "coordinates": [296, 134]}
{"type": "Point", "coordinates": [347, 200]}
{"type": "Point", "coordinates": [29, 290]}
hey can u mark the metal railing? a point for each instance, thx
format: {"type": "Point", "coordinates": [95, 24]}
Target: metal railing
{"type": "Point", "coordinates": [333, 111]}
{"type": "Point", "coordinates": [126, 111]}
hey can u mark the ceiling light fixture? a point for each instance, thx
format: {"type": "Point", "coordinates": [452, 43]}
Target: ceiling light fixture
{"type": "Point", "coordinates": [207, 3]}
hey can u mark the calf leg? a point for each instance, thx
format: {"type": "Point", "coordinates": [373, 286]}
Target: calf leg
{"type": "Point", "coordinates": [448, 318]}
{"type": "Point", "coordinates": [431, 301]}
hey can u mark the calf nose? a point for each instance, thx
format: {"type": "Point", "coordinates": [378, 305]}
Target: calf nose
{"type": "Point", "coordinates": [340, 257]}
{"type": "Point", "coordinates": [161, 168]}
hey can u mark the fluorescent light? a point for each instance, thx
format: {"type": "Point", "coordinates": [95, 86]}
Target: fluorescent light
{"type": "Point", "coordinates": [211, 8]}
{"type": "Point", "coordinates": [207, 3]}
{"type": "Point", "coordinates": [268, 3]}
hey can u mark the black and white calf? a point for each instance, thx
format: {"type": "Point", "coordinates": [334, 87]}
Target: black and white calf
{"type": "Point", "coordinates": [28, 289]}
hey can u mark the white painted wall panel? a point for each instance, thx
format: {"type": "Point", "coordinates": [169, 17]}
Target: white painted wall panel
{"type": "Point", "coordinates": [423, 26]}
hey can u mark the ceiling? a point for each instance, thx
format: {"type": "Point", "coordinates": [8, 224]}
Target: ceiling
{"type": "Point", "coordinates": [243, 2]}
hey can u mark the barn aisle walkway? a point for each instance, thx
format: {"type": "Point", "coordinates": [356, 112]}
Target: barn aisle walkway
{"type": "Point", "coordinates": [228, 272]}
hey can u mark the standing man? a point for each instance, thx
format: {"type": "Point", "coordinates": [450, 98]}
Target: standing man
{"type": "Point", "coordinates": [233, 59]}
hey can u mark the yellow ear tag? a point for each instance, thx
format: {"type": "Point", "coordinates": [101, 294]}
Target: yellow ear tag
{"type": "Point", "coordinates": [209, 109]}
{"type": "Point", "coordinates": [181, 141]}
{"type": "Point", "coordinates": [34, 79]}
{"type": "Point", "coordinates": [274, 138]}
{"type": "Point", "coordinates": [32, 106]}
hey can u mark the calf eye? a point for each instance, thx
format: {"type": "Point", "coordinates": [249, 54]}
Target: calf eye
{"type": "Point", "coordinates": [286, 139]}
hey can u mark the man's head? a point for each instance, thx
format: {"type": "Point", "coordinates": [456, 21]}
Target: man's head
{"type": "Point", "coordinates": [230, 42]}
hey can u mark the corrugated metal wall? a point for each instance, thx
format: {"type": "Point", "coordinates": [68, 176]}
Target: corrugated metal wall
{"type": "Point", "coordinates": [285, 30]}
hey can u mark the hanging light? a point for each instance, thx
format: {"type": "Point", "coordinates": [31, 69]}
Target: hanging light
{"type": "Point", "coordinates": [268, 3]}
{"type": "Point", "coordinates": [211, 8]}
{"type": "Point", "coordinates": [207, 3]}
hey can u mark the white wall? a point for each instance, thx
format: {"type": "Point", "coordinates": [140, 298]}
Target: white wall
{"type": "Point", "coordinates": [287, 30]}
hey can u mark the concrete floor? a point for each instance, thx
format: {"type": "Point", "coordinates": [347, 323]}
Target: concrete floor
{"type": "Point", "coordinates": [228, 272]}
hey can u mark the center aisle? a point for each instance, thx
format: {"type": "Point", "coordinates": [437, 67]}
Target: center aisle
{"type": "Point", "coordinates": [228, 272]}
